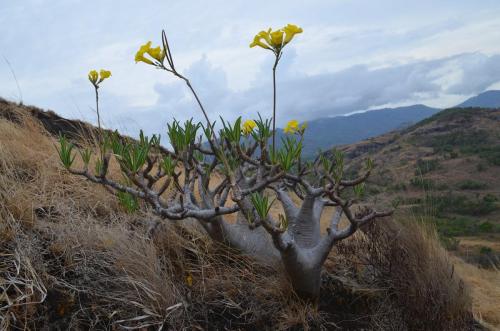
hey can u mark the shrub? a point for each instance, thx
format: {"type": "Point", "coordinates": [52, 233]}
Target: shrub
{"type": "Point", "coordinates": [470, 184]}
{"type": "Point", "coordinates": [474, 142]}
{"type": "Point", "coordinates": [456, 227]}
{"type": "Point", "coordinates": [422, 183]}
{"type": "Point", "coordinates": [490, 154]}
{"type": "Point", "coordinates": [461, 204]}
{"type": "Point", "coordinates": [481, 167]}
{"type": "Point", "coordinates": [462, 226]}
{"type": "Point", "coordinates": [466, 141]}
{"type": "Point", "coordinates": [490, 198]}
{"type": "Point", "coordinates": [425, 166]}
{"type": "Point", "coordinates": [486, 227]}
{"type": "Point", "coordinates": [485, 250]}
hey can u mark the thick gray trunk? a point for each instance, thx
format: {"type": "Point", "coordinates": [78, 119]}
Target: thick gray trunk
{"type": "Point", "coordinates": [303, 271]}
{"type": "Point", "coordinates": [300, 249]}
{"type": "Point", "coordinates": [305, 227]}
{"type": "Point", "coordinates": [253, 242]}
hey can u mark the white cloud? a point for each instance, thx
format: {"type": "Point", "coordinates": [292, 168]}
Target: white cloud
{"type": "Point", "coordinates": [353, 55]}
{"type": "Point", "coordinates": [439, 82]}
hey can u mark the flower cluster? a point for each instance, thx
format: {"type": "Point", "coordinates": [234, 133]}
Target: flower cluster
{"type": "Point", "coordinates": [248, 127]}
{"type": "Point", "coordinates": [276, 40]}
{"type": "Point", "coordinates": [96, 78]}
{"type": "Point", "coordinates": [154, 54]}
{"type": "Point", "coordinates": [294, 127]}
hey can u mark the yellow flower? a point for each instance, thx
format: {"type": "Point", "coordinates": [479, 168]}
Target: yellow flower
{"type": "Point", "coordinates": [104, 74]}
{"type": "Point", "coordinates": [275, 40]}
{"type": "Point", "coordinates": [93, 76]}
{"type": "Point", "coordinates": [139, 56]}
{"type": "Point", "coordinates": [155, 53]}
{"type": "Point", "coordinates": [257, 42]}
{"type": "Point", "coordinates": [262, 39]}
{"type": "Point", "coordinates": [189, 280]}
{"type": "Point", "coordinates": [248, 127]}
{"type": "Point", "coordinates": [266, 35]}
{"type": "Point", "coordinates": [290, 31]}
{"type": "Point", "coordinates": [292, 127]}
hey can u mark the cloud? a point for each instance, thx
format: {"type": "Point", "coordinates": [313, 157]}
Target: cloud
{"type": "Point", "coordinates": [353, 55]}
{"type": "Point", "coordinates": [308, 97]}
{"type": "Point", "coordinates": [478, 72]}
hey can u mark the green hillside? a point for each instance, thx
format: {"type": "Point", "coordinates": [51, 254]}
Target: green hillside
{"type": "Point", "coordinates": [445, 168]}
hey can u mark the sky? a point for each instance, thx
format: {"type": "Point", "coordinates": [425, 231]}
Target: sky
{"type": "Point", "coordinates": [353, 55]}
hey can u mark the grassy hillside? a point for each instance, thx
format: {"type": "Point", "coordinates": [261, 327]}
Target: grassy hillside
{"type": "Point", "coordinates": [447, 168]}
{"type": "Point", "coordinates": [73, 258]}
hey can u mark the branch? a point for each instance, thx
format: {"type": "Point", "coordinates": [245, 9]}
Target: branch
{"type": "Point", "coordinates": [356, 181]}
{"type": "Point", "coordinates": [289, 207]}
{"type": "Point", "coordinates": [109, 183]}
{"type": "Point", "coordinates": [260, 186]}
{"type": "Point", "coordinates": [311, 190]}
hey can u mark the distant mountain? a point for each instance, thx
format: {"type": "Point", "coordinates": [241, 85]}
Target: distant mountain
{"type": "Point", "coordinates": [488, 99]}
{"type": "Point", "coordinates": [323, 133]}
{"type": "Point", "coordinates": [446, 166]}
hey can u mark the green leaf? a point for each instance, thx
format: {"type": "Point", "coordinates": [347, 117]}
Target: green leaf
{"type": "Point", "coordinates": [182, 138]}
{"type": "Point", "coordinates": [338, 171]}
{"type": "Point", "coordinates": [263, 132]}
{"type": "Point", "coordinates": [261, 204]}
{"type": "Point", "coordinates": [99, 167]}
{"type": "Point", "coordinates": [231, 132]}
{"type": "Point", "coordinates": [86, 154]}
{"type": "Point", "coordinates": [168, 165]}
{"type": "Point", "coordinates": [359, 190]}
{"type": "Point", "coordinates": [128, 201]}
{"type": "Point", "coordinates": [369, 164]}
{"type": "Point", "coordinates": [65, 152]}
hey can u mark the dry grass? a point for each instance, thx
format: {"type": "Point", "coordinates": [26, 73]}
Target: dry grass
{"type": "Point", "coordinates": [72, 258]}
{"type": "Point", "coordinates": [417, 270]}
{"type": "Point", "coordinates": [485, 287]}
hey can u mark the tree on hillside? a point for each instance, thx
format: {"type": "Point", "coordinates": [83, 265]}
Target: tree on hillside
{"type": "Point", "coordinates": [209, 174]}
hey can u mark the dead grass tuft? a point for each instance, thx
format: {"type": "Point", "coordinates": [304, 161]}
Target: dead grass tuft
{"type": "Point", "coordinates": [416, 274]}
